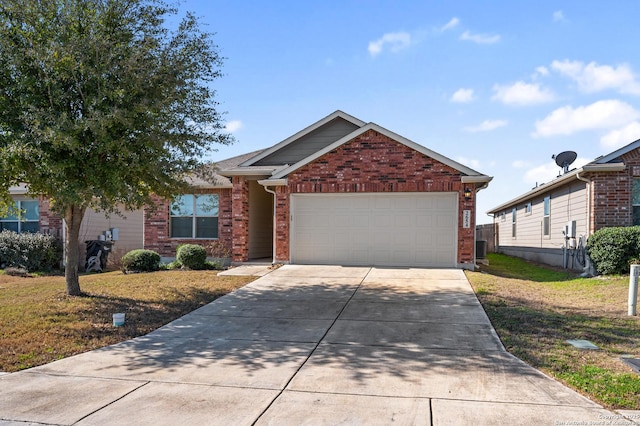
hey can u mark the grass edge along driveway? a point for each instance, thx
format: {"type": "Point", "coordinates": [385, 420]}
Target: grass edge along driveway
{"type": "Point", "coordinates": [41, 324]}
{"type": "Point", "coordinates": [535, 309]}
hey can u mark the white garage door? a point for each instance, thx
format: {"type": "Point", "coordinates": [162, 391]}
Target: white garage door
{"type": "Point", "coordinates": [401, 229]}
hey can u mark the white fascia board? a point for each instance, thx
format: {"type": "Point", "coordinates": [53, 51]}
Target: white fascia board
{"type": "Point", "coordinates": [562, 180]}
{"type": "Point", "coordinates": [303, 132]}
{"type": "Point", "coordinates": [607, 167]}
{"type": "Point", "coordinates": [372, 126]}
{"type": "Point", "coordinates": [21, 189]}
{"type": "Point", "coordinates": [273, 182]}
{"type": "Point", "coordinates": [247, 172]}
{"type": "Point", "coordinates": [477, 179]}
{"type": "Point", "coordinates": [617, 153]}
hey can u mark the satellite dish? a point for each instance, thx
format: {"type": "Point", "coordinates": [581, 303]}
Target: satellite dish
{"type": "Point", "coordinates": [564, 159]}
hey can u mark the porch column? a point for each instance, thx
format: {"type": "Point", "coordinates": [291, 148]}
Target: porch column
{"type": "Point", "coordinates": [240, 226]}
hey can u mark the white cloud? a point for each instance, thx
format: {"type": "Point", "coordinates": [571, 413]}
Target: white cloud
{"type": "Point", "coordinates": [519, 164]}
{"type": "Point", "coordinates": [621, 137]}
{"type": "Point", "coordinates": [521, 93]}
{"type": "Point", "coordinates": [542, 71]}
{"type": "Point", "coordinates": [558, 16]}
{"type": "Point", "coordinates": [396, 42]}
{"type": "Point", "coordinates": [605, 114]}
{"type": "Point", "coordinates": [474, 164]}
{"type": "Point", "coordinates": [594, 78]}
{"type": "Point", "coordinates": [549, 171]}
{"type": "Point", "coordinates": [454, 22]}
{"type": "Point", "coordinates": [541, 174]}
{"type": "Point", "coordinates": [487, 126]}
{"type": "Point", "coordinates": [480, 38]}
{"type": "Point", "coordinates": [233, 126]}
{"type": "Point", "coordinates": [462, 96]}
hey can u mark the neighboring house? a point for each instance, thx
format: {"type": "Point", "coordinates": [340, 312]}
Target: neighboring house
{"type": "Point", "coordinates": [551, 223]}
{"type": "Point", "coordinates": [38, 217]}
{"type": "Point", "coordinates": [340, 191]}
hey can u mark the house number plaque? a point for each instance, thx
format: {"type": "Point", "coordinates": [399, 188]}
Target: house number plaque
{"type": "Point", "coordinates": [466, 218]}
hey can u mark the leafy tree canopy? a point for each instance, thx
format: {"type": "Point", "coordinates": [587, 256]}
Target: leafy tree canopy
{"type": "Point", "coordinates": [100, 103]}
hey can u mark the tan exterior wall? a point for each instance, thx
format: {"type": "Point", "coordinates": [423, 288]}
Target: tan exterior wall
{"type": "Point", "coordinates": [130, 227]}
{"type": "Point", "coordinates": [567, 203]}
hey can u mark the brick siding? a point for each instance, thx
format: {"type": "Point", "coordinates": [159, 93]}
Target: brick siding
{"type": "Point", "coordinates": [157, 235]}
{"type": "Point", "coordinates": [373, 162]}
{"type": "Point", "coordinates": [612, 194]}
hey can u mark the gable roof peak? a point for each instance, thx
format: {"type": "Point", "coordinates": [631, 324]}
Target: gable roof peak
{"type": "Point", "coordinates": [612, 156]}
{"type": "Point", "coordinates": [336, 114]}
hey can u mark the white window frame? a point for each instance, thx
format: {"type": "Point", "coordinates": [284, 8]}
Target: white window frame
{"type": "Point", "coordinates": [21, 219]}
{"type": "Point", "coordinates": [635, 203]}
{"type": "Point", "coordinates": [194, 215]}
{"type": "Point", "coordinates": [546, 216]}
{"type": "Point", "coordinates": [514, 218]}
{"type": "Point", "coordinates": [528, 208]}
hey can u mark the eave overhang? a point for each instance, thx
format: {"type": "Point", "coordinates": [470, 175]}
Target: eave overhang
{"type": "Point", "coordinates": [562, 180]}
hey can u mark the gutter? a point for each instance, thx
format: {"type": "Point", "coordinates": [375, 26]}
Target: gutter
{"type": "Point", "coordinates": [589, 168]}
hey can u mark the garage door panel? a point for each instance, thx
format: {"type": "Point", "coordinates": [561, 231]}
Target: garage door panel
{"type": "Point", "coordinates": [408, 229]}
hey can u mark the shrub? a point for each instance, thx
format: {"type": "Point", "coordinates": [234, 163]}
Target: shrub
{"type": "Point", "coordinates": [29, 251]}
{"type": "Point", "coordinates": [219, 250]}
{"type": "Point", "coordinates": [140, 261]}
{"type": "Point", "coordinates": [192, 256]}
{"type": "Point", "coordinates": [613, 249]}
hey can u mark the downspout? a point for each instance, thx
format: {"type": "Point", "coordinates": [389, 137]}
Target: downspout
{"type": "Point", "coordinates": [273, 261]}
{"type": "Point", "coordinates": [588, 182]}
{"type": "Point", "coordinates": [587, 262]}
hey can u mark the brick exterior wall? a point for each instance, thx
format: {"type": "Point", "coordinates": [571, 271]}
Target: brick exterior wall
{"type": "Point", "coordinates": [373, 162]}
{"type": "Point", "coordinates": [157, 222]}
{"type": "Point", "coordinates": [611, 201]}
{"type": "Point", "coordinates": [240, 226]}
{"type": "Point", "coordinates": [282, 223]}
{"type": "Point", "coordinates": [49, 222]}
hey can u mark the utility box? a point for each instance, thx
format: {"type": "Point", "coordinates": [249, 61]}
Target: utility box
{"type": "Point", "coordinates": [570, 229]}
{"type": "Point", "coordinates": [481, 249]}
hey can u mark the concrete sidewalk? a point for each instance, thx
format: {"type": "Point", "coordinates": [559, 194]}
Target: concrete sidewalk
{"type": "Point", "coordinates": [308, 345]}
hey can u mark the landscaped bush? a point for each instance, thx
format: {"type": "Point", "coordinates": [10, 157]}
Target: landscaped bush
{"type": "Point", "coordinates": [29, 251]}
{"type": "Point", "coordinates": [192, 256]}
{"type": "Point", "coordinates": [613, 249]}
{"type": "Point", "coordinates": [140, 261]}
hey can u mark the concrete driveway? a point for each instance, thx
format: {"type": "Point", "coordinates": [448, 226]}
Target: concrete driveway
{"type": "Point", "coordinates": [307, 345]}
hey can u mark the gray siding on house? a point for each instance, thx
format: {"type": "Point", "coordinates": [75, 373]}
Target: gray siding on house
{"type": "Point", "coordinates": [567, 203]}
{"type": "Point", "coordinates": [309, 144]}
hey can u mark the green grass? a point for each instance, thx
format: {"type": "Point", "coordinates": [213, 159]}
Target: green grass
{"type": "Point", "coordinates": [536, 309]}
{"type": "Point", "coordinates": [40, 323]}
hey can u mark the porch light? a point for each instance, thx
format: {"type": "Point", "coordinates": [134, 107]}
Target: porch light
{"type": "Point", "coordinates": [467, 193]}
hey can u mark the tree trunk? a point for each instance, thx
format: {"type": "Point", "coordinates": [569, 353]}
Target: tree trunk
{"type": "Point", "coordinates": [73, 219]}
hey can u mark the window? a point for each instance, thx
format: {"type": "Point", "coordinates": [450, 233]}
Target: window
{"type": "Point", "coordinates": [195, 216]}
{"type": "Point", "coordinates": [513, 222]}
{"type": "Point", "coordinates": [546, 224]}
{"type": "Point", "coordinates": [635, 201]}
{"type": "Point", "coordinates": [527, 208]}
{"type": "Point", "coordinates": [24, 217]}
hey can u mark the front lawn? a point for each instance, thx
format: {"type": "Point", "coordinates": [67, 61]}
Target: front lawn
{"type": "Point", "coordinates": [39, 323]}
{"type": "Point", "coordinates": [536, 309]}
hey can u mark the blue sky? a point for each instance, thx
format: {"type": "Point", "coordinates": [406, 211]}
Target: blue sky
{"type": "Point", "coordinates": [499, 86]}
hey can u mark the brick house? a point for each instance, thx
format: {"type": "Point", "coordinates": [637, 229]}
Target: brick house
{"type": "Point", "coordinates": [340, 191]}
{"type": "Point", "coordinates": [550, 223]}
{"type": "Point", "coordinates": [38, 217]}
